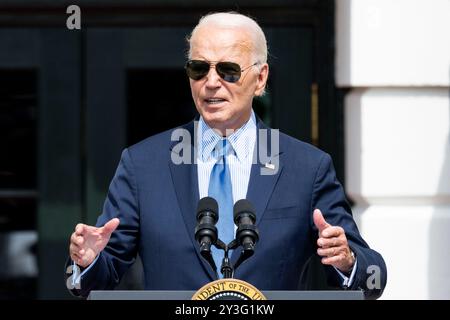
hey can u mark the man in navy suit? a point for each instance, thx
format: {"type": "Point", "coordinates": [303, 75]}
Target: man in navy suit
{"type": "Point", "coordinates": [150, 208]}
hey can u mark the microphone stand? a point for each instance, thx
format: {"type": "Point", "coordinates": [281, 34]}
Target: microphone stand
{"type": "Point", "coordinates": [227, 269]}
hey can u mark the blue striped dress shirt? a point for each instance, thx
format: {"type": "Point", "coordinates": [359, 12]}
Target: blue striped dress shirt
{"type": "Point", "coordinates": [239, 160]}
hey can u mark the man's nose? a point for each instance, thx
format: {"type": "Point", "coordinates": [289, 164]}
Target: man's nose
{"type": "Point", "coordinates": [212, 78]}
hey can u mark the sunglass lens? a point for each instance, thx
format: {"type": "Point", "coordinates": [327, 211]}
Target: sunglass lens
{"type": "Point", "coordinates": [197, 69]}
{"type": "Point", "coordinates": [229, 71]}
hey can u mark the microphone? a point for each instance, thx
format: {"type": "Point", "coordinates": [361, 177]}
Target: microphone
{"type": "Point", "coordinates": [247, 234]}
{"type": "Point", "coordinates": [206, 231]}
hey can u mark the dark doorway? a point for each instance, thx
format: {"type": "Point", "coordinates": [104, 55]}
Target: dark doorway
{"type": "Point", "coordinates": [157, 99]}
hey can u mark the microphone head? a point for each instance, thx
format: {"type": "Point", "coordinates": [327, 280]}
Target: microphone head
{"type": "Point", "coordinates": [208, 204]}
{"type": "Point", "coordinates": [243, 206]}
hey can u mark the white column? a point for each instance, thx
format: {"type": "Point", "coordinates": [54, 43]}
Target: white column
{"type": "Point", "coordinates": [395, 57]}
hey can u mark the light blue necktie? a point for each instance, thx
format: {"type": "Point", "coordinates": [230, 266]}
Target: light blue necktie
{"type": "Point", "coordinates": [220, 188]}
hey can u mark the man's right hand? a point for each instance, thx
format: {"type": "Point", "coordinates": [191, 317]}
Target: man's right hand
{"type": "Point", "coordinates": [88, 241]}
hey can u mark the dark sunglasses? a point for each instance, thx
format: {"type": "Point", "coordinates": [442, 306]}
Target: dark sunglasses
{"type": "Point", "coordinates": [228, 71]}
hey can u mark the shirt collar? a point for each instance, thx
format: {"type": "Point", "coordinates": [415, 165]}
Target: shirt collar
{"type": "Point", "coordinates": [242, 140]}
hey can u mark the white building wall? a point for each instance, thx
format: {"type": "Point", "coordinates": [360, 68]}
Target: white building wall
{"type": "Point", "coordinates": [394, 55]}
{"type": "Point", "coordinates": [393, 42]}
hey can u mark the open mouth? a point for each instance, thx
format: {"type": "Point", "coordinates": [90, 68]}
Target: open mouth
{"type": "Point", "coordinates": [214, 100]}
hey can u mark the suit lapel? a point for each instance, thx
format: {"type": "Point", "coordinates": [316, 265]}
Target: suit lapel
{"type": "Point", "coordinates": [262, 178]}
{"type": "Point", "coordinates": [185, 182]}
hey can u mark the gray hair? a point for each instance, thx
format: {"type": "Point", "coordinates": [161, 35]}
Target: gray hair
{"type": "Point", "coordinates": [236, 20]}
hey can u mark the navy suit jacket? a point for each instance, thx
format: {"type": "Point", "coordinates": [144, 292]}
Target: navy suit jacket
{"type": "Point", "coordinates": [156, 203]}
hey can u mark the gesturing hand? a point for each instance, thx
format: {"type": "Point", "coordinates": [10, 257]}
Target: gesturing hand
{"type": "Point", "coordinates": [88, 241]}
{"type": "Point", "coordinates": [333, 245]}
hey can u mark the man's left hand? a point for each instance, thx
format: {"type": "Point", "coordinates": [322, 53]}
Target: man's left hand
{"type": "Point", "coordinates": [333, 245]}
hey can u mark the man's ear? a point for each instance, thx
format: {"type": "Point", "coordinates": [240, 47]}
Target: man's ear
{"type": "Point", "coordinates": [262, 79]}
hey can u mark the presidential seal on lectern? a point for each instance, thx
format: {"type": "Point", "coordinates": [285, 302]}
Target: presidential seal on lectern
{"type": "Point", "coordinates": [228, 289]}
